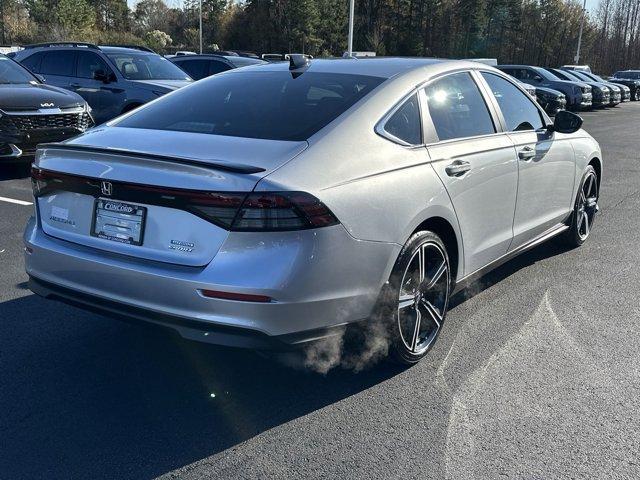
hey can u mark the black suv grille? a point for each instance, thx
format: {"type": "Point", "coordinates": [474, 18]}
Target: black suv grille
{"type": "Point", "coordinates": [20, 124]}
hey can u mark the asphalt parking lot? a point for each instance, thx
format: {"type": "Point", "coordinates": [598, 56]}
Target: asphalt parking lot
{"type": "Point", "coordinates": [535, 376]}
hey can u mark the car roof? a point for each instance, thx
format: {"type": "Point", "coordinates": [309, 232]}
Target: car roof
{"type": "Point", "coordinates": [384, 67]}
{"type": "Point", "coordinates": [82, 47]}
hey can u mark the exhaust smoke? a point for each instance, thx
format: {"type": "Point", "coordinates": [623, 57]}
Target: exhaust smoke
{"type": "Point", "coordinates": [357, 348]}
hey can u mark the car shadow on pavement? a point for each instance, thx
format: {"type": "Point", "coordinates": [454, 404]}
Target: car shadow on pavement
{"type": "Point", "coordinates": [88, 397]}
{"type": "Point", "coordinates": [85, 396]}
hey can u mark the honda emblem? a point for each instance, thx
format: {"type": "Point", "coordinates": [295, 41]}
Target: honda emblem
{"type": "Point", "coordinates": [106, 188]}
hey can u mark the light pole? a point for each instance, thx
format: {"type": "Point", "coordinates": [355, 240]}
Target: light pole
{"type": "Point", "coordinates": [350, 41]}
{"type": "Point", "coordinates": [584, 9]}
{"type": "Point", "coordinates": [201, 27]}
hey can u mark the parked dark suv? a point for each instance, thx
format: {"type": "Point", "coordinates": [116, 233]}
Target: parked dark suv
{"type": "Point", "coordinates": [629, 78]}
{"type": "Point", "coordinates": [32, 112]}
{"type": "Point", "coordinates": [113, 80]}
{"type": "Point", "coordinates": [201, 66]}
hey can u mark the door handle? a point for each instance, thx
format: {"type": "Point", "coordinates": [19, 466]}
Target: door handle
{"type": "Point", "coordinates": [457, 168]}
{"type": "Point", "coordinates": [526, 153]}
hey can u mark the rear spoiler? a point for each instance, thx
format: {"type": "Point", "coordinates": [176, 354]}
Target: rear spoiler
{"type": "Point", "coordinates": [226, 166]}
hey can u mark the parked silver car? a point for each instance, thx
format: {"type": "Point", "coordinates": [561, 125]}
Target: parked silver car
{"type": "Point", "coordinates": [275, 205]}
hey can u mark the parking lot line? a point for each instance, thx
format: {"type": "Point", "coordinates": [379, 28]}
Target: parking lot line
{"type": "Point", "coordinates": [13, 200]}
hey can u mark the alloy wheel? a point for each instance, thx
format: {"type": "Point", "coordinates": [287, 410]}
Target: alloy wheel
{"type": "Point", "coordinates": [587, 206]}
{"type": "Point", "coordinates": [423, 297]}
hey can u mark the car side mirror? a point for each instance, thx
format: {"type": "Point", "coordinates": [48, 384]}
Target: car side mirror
{"type": "Point", "coordinates": [566, 122]}
{"type": "Point", "coordinates": [101, 76]}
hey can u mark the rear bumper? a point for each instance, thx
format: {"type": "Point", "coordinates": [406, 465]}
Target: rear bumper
{"type": "Point", "coordinates": [186, 327]}
{"type": "Point", "coordinates": [319, 280]}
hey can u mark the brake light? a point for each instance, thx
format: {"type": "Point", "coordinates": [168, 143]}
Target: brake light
{"type": "Point", "coordinates": [271, 211]}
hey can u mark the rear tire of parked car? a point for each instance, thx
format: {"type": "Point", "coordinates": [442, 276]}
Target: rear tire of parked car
{"type": "Point", "coordinates": [584, 210]}
{"type": "Point", "coordinates": [418, 297]}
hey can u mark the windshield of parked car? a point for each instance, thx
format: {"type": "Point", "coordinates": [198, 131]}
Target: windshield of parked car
{"type": "Point", "coordinates": [595, 77]}
{"type": "Point", "coordinates": [256, 104]}
{"type": "Point", "coordinates": [582, 76]}
{"type": "Point", "coordinates": [547, 75]}
{"type": "Point", "coordinates": [566, 75]}
{"type": "Point", "coordinates": [145, 66]}
{"type": "Point", "coordinates": [12, 73]}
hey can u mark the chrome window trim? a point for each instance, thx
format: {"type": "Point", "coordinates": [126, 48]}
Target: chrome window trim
{"type": "Point", "coordinates": [427, 124]}
{"type": "Point", "coordinates": [464, 139]}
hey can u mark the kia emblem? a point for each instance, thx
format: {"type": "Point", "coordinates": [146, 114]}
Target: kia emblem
{"type": "Point", "coordinates": [106, 188]}
{"type": "Point", "coordinates": [46, 105]}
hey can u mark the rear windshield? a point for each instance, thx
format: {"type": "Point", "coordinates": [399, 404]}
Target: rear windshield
{"type": "Point", "coordinates": [253, 104]}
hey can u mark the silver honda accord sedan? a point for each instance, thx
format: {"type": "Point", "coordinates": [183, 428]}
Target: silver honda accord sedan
{"type": "Point", "coordinates": [273, 206]}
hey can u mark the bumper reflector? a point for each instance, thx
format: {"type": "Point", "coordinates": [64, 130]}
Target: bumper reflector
{"type": "Point", "coordinates": [240, 297]}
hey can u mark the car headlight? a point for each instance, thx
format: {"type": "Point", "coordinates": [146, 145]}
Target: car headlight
{"type": "Point", "coordinates": [604, 89]}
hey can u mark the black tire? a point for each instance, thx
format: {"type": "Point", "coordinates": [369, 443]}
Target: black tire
{"type": "Point", "coordinates": [585, 208]}
{"type": "Point", "coordinates": [430, 298]}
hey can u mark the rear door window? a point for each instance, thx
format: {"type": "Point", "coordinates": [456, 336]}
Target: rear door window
{"type": "Point", "coordinates": [405, 123]}
{"type": "Point", "coordinates": [59, 62]}
{"type": "Point", "coordinates": [517, 108]}
{"type": "Point", "coordinates": [457, 108]}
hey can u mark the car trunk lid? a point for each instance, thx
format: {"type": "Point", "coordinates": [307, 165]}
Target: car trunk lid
{"type": "Point", "coordinates": [124, 195]}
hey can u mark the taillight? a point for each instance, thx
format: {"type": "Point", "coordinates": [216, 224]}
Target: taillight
{"type": "Point", "coordinates": [268, 211]}
{"type": "Point", "coordinates": [235, 211]}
